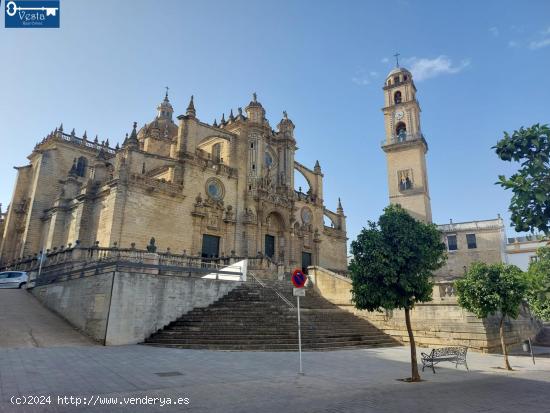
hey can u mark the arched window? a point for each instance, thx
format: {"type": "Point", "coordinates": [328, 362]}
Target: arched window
{"type": "Point", "coordinates": [401, 131]}
{"type": "Point", "coordinates": [397, 97]}
{"type": "Point", "coordinates": [396, 79]}
{"type": "Point", "coordinates": [81, 166]}
{"type": "Point", "coordinates": [216, 152]}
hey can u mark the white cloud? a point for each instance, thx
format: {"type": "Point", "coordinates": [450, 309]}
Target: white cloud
{"type": "Point", "coordinates": [494, 31]}
{"type": "Point", "coordinates": [546, 31]}
{"type": "Point", "coordinates": [363, 77]}
{"type": "Point", "coordinates": [513, 43]}
{"type": "Point", "coordinates": [385, 60]}
{"type": "Point", "coordinates": [539, 44]}
{"type": "Point", "coordinates": [361, 81]}
{"type": "Point", "coordinates": [423, 68]}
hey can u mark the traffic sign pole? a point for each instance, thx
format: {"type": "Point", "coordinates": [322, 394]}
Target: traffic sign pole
{"type": "Point", "coordinates": [299, 335]}
{"type": "Point", "coordinates": [299, 279]}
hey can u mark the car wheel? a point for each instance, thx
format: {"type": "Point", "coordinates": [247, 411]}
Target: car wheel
{"type": "Point", "coordinates": [22, 285]}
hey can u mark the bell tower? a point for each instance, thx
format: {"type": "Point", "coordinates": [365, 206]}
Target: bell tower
{"type": "Point", "coordinates": [405, 146]}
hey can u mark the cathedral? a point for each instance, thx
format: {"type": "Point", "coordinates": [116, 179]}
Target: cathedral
{"type": "Point", "coordinates": [199, 189]}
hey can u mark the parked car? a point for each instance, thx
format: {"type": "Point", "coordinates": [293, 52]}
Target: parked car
{"type": "Point", "coordinates": [13, 279]}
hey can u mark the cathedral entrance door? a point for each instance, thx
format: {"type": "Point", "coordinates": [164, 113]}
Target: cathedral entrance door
{"type": "Point", "coordinates": [306, 261]}
{"type": "Point", "coordinates": [270, 246]}
{"type": "Point", "coordinates": [210, 246]}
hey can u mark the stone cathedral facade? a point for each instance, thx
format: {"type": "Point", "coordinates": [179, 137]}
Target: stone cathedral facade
{"type": "Point", "coordinates": [199, 189]}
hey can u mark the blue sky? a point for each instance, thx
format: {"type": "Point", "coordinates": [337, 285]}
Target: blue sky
{"type": "Point", "coordinates": [481, 68]}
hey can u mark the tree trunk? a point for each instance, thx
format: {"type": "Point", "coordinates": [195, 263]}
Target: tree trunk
{"type": "Point", "coordinates": [504, 350]}
{"type": "Point", "coordinates": [415, 376]}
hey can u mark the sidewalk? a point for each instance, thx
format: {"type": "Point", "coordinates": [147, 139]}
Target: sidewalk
{"type": "Point", "coordinates": [24, 322]}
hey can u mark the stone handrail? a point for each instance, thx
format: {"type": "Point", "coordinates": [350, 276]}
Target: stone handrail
{"type": "Point", "coordinates": [62, 258]}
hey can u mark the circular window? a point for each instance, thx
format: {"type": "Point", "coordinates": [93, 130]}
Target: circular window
{"type": "Point", "coordinates": [214, 189]}
{"type": "Point", "coordinates": [306, 215]}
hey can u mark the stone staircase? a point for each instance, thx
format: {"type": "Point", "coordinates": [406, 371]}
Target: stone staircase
{"type": "Point", "coordinates": [259, 315]}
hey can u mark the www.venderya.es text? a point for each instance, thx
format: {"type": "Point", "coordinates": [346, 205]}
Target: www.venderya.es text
{"type": "Point", "coordinates": [96, 400]}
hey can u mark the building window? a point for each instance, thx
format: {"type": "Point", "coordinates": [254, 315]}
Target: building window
{"type": "Point", "coordinates": [401, 131]}
{"type": "Point", "coordinates": [216, 152]}
{"type": "Point", "coordinates": [471, 240]}
{"type": "Point", "coordinates": [451, 242]}
{"type": "Point", "coordinates": [268, 159]}
{"type": "Point", "coordinates": [215, 189]}
{"type": "Point", "coordinates": [397, 97]}
{"type": "Point", "coordinates": [81, 166]}
{"type": "Point", "coordinates": [405, 179]}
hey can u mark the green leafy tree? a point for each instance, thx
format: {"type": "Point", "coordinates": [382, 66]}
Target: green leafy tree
{"type": "Point", "coordinates": [530, 204]}
{"type": "Point", "coordinates": [539, 283]}
{"type": "Point", "coordinates": [488, 289]}
{"type": "Point", "coordinates": [392, 266]}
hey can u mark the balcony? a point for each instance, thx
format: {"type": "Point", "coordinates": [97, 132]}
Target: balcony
{"type": "Point", "coordinates": [404, 137]}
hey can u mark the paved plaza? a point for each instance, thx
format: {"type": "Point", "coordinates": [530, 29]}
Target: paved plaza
{"type": "Point", "coordinates": [216, 381]}
{"type": "Point", "coordinates": [41, 355]}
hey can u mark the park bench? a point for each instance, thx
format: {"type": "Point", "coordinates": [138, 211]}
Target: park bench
{"type": "Point", "coordinates": [455, 355]}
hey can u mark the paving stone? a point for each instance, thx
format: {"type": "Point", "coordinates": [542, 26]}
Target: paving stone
{"type": "Point", "coordinates": [362, 380]}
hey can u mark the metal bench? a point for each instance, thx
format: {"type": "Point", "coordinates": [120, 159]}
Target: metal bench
{"type": "Point", "coordinates": [455, 355]}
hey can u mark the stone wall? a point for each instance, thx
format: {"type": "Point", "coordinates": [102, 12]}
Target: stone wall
{"type": "Point", "coordinates": [120, 307]}
{"type": "Point", "coordinates": [143, 303]}
{"type": "Point", "coordinates": [439, 322]}
{"type": "Point", "coordinates": [83, 302]}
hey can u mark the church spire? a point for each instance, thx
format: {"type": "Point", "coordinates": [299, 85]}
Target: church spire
{"type": "Point", "coordinates": [191, 108]}
{"type": "Point", "coordinates": [132, 141]}
{"type": "Point", "coordinates": [317, 168]}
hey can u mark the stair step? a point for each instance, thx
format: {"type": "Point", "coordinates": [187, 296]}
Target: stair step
{"type": "Point", "coordinates": [254, 318]}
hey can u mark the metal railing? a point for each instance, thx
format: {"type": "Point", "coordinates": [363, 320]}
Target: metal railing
{"type": "Point", "coordinates": [404, 137]}
{"type": "Point", "coordinates": [281, 296]}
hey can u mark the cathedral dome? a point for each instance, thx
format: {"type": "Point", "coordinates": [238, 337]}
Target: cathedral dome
{"type": "Point", "coordinates": [159, 128]}
{"type": "Point", "coordinates": [399, 70]}
{"type": "Point", "coordinates": [162, 126]}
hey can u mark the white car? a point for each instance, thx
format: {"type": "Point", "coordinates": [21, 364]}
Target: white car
{"type": "Point", "coordinates": [13, 279]}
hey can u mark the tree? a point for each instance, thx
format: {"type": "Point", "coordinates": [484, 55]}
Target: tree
{"type": "Point", "coordinates": [488, 289]}
{"type": "Point", "coordinates": [392, 266]}
{"type": "Point", "coordinates": [538, 276]}
{"type": "Point", "coordinates": [530, 204]}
